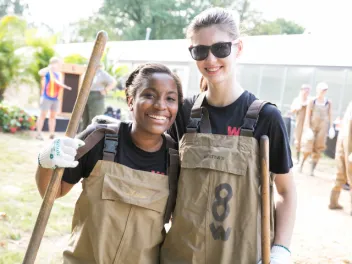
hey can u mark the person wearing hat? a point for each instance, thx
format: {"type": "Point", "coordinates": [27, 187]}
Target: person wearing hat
{"type": "Point", "coordinates": [102, 83]}
{"type": "Point", "coordinates": [299, 109]}
{"type": "Point", "coordinates": [49, 99]}
{"type": "Point", "coordinates": [317, 122]}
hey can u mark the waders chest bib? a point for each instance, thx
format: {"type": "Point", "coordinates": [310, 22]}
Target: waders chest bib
{"type": "Point", "coordinates": [217, 218]}
{"type": "Point", "coordinates": [120, 215]}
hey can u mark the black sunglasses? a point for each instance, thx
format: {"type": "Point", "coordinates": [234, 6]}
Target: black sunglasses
{"type": "Point", "coordinates": [220, 50]}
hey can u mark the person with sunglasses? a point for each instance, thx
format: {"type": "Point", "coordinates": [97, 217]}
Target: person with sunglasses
{"type": "Point", "coordinates": [217, 218]}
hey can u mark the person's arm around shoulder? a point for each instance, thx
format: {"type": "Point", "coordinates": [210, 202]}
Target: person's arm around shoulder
{"type": "Point", "coordinates": [59, 153]}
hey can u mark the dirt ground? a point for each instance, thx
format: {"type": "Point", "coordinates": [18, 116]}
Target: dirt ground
{"type": "Point", "coordinates": [320, 235]}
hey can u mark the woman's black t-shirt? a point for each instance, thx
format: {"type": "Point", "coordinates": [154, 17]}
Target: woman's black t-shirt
{"type": "Point", "coordinates": [128, 154]}
{"type": "Point", "coordinates": [229, 119]}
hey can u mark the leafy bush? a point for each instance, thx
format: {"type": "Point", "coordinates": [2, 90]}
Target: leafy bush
{"type": "Point", "coordinates": [11, 38]}
{"type": "Point", "coordinates": [13, 118]}
{"type": "Point", "coordinates": [76, 59]}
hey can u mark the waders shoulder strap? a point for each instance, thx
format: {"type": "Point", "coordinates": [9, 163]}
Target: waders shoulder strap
{"type": "Point", "coordinates": [173, 170]}
{"type": "Point", "coordinates": [251, 118]}
{"type": "Point", "coordinates": [94, 133]}
{"type": "Point", "coordinates": [200, 121]}
{"type": "Point", "coordinates": [173, 165]}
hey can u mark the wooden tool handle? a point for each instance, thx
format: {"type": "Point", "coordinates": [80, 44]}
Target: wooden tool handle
{"type": "Point", "coordinates": [71, 130]}
{"type": "Point", "coordinates": [265, 191]}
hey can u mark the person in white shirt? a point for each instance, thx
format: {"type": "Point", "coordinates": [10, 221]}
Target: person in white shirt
{"type": "Point", "coordinates": [316, 126]}
{"type": "Point", "coordinates": [299, 109]}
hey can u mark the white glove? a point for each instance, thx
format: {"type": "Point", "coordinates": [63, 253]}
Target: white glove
{"type": "Point", "coordinates": [350, 157]}
{"type": "Point", "coordinates": [60, 153]}
{"type": "Point", "coordinates": [331, 133]}
{"type": "Point", "coordinates": [309, 134]}
{"type": "Point", "coordinates": [279, 255]}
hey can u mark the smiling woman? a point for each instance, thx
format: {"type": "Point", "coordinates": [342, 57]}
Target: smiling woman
{"type": "Point", "coordinates": [129, 174]}
{"type": "Point", "coordinates": [152, 93]}
{"type": "Point", "coordinates": [217, 216]}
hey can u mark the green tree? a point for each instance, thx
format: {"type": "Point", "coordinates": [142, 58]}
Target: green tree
{"type": "Point", "coordinates": [247, 15]}
{"type": "Point", "coordinates": [76, 59]}
{"type": "Point", "coordinates": [87, 29]}
{"type": "Point", "coordinates": [9, 65]}
{"type": "Point", "coordinates": [42, 49]}
{"type": "Point", "coordinates": [16, 7]}
{"type": "Point", "coordinates": [10, 26]}
{"type": "Point", "coordinates": [277, 27]}
{"type": "Point", "coordinates": [128, 20]}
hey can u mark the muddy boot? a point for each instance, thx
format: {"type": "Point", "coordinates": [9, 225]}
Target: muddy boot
{"type": "Point", "coordinates": [314, 164]}
{"type": "Point", "coordinates": [334, 198]}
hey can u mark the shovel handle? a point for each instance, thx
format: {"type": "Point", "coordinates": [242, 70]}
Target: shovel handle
{"type": "Point", "coordinates": [71, 130]}
{"type": "Point", "coordinates": [265, 193]}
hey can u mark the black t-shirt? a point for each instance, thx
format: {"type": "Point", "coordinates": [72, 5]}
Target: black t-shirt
{"type": "Point", "coordinates": [228, 120]}
{"type": "Point", "coordinates": [128, 154]}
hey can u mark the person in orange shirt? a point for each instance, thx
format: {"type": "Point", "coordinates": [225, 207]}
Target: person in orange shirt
{"type": "Point", "coordinates": [49, 96]}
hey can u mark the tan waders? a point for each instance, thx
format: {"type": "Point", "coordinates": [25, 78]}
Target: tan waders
{"type": "Point", "coordinates": [344, 166]}
{"type": "Point", "coordinates": [119, 217]}
{"type": "Point", "coordinates": [300, 116]}
{"type": "Point", "coordinates": [319, 123]}
{"type": "Point", "coordinates": [217, 217]}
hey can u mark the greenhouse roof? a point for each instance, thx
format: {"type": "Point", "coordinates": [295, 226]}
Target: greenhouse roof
{"type": "Point", "coordinates": [303, 49]}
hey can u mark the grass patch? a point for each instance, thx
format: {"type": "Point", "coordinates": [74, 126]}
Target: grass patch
{"type": "Point", "coordinates": [11, 257]}
{"type": "Point", "coordinates": [20, 201]}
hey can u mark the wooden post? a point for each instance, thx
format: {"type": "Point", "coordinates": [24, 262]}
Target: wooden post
{"type": "Point", "coordinates": [265, 191]}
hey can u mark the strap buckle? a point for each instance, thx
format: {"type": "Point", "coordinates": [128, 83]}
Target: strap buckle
{"type": "Point", "coordinates": [110, 143]}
